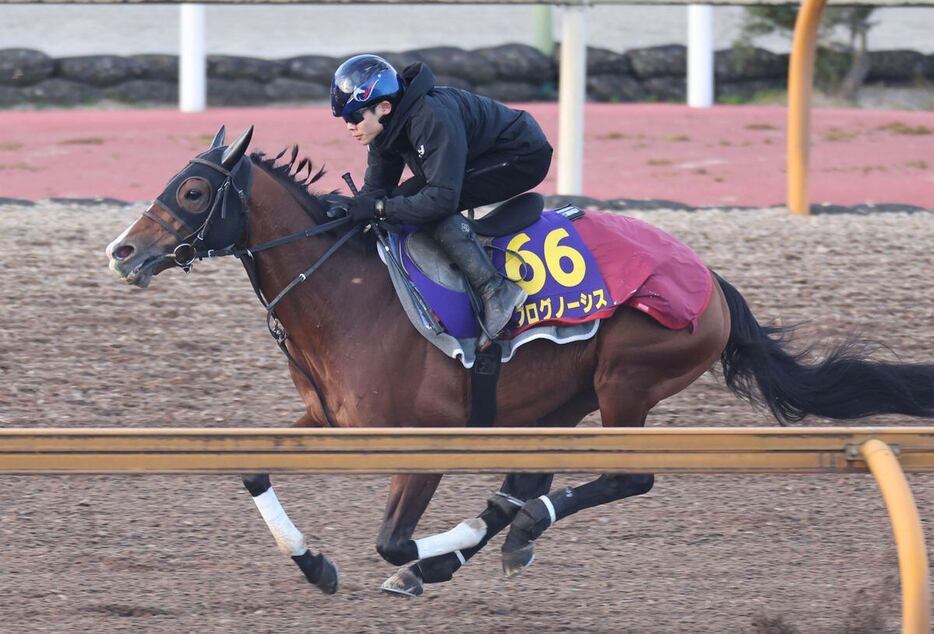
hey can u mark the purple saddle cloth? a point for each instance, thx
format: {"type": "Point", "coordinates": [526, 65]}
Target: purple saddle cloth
{"type": "Point", "coordinates": [549, 259]}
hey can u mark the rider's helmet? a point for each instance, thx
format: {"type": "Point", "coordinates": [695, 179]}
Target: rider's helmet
{"type": "Point", "coordinates": [363, 81]}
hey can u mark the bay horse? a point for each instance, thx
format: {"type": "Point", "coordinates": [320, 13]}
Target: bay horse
{"type": "Point", "coordinates": [225, 202]}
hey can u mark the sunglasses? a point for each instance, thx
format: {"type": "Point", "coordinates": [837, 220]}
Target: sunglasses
{"type": "Point", "coordinates": [356, 116]}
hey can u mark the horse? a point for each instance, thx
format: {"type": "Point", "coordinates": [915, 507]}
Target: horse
{"type": "Point", "coordinates": [355, 360]}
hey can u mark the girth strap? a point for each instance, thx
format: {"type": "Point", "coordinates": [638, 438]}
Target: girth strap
{"type": "Point", "coordinates": [483, 380]}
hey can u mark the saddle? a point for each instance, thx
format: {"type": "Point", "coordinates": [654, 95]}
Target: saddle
{"type": "Point", "coordinates": [512, 216]}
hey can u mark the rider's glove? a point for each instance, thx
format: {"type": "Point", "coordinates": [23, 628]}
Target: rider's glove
{"type": "Point", "coordinates": [362, 208]}
{"type": "Point", "coordinates": [338, 205]}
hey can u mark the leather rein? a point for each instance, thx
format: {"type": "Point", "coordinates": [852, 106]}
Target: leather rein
{"type": "Point", "coordinates": [188, 251]}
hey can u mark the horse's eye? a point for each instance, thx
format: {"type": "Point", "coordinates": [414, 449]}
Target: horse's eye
{"type": "Point", "coordinates": [193, 195]}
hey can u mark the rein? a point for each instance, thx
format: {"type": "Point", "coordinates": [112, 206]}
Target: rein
{"type": "Point", "coordinates": [275, 327]}
{"type": "Point", "coordinates": [187, 252]}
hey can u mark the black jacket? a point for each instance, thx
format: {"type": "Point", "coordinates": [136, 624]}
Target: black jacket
{"type": "Point", "coordinates": [438, 131]}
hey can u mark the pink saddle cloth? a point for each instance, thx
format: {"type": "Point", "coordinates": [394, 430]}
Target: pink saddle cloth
{"type": "Point", "coordinates": [647, 269]}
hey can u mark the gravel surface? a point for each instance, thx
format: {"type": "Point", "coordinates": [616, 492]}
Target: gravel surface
{"type": "Point", "coordinates": [171, 553]}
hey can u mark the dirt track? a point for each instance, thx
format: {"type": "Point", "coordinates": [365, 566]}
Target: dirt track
{"type": "Point", "coordinates": [698, 554]}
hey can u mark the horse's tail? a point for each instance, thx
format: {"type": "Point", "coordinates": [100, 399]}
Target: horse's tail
{"type": "Point", "coordinates": [847, 384]}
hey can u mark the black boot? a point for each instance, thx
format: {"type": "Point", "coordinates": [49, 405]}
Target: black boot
{"type": "Point", "coordinates": [500, 296]}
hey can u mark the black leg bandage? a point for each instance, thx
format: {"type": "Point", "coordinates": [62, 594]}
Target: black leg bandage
{"type": "Point", "coordinates": [607, 488]}
{"type": "Point", "coordinates": [535, 516]}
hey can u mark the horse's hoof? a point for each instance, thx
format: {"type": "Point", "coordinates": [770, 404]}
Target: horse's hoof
{"type": "Point", "coordinates": [515, 561]}
{"type": "Point", "coordinates": [404, 583]}
{"type": "Point", "coordinates": [329, 581]}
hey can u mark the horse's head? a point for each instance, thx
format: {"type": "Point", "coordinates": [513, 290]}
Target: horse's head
{"type": "Point", "coordinates": [203, 207]}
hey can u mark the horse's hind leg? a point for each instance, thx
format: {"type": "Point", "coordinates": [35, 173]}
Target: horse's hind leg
{"type": "Point", "coordinates": [538, 514]}
{"type": "Point", "coordinates": [318, 569]}
{"type": "Point", "coordinates": [640, 364]}
{"type": "Point", "coordinates": [623, 400]}
{"type": "Point", "coordinates": [500, 511]}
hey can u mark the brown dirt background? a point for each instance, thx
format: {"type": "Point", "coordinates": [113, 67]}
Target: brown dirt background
{"type": "Point", "coordinates": [185, 554]}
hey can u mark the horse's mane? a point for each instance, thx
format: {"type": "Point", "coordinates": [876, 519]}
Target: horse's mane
{"type": "Point", "coordinates": [290, 176]}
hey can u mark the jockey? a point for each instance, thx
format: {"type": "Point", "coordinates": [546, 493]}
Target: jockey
{"type": "Point", "coordinates": [464, 151]}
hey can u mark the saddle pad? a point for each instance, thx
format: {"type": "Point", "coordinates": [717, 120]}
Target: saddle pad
{"type": "Point", "coordinates": [576, 273]}
{"type": "Point", "coordinates": [648, 269]}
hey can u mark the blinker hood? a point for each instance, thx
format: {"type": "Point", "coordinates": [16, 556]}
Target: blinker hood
{"type": "Point", "coordinates": [229, 214]}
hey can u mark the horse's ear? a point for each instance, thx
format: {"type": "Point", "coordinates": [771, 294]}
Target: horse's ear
{"type": "Point", "coordinates": [237, 149]}
{"type": "Point", "coordinates": [219, 138]}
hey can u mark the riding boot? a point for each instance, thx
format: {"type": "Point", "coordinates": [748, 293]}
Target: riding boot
{"type": "Point", "coordinates": [499, 295]}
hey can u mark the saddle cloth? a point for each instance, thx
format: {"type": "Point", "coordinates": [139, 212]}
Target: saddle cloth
{"type": "Point", "coordinates": [577, 273]}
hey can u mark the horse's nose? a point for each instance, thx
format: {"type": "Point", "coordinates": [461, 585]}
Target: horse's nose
{"type": "Point", "coordinates": [123, 251]}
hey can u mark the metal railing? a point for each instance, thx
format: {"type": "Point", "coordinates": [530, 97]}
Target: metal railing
{"type": "Point", "coordinates": [437, 450]}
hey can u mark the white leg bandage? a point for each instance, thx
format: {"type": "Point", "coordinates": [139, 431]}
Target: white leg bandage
{"type": "Point", "coordinates": [288, 538]}
{"type": "Point", "coordinates": [467, 534]}
{"type": "Point", "coordinates": [550, 507]}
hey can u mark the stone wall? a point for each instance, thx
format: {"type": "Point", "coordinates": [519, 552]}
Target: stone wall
{"type": "Point", "coordinates": [511, 72]}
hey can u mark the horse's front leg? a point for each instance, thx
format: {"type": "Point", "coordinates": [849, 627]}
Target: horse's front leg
{"type": "Point", "coordinates": [318, 569]}
{"type": "Point", "coordinates": [500, 511]}
{"type": "Point", "coordinates": [408, 498]}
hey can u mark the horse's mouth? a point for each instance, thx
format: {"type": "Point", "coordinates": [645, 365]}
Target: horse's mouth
{"type": "Point", "coordinates": [141, 275]}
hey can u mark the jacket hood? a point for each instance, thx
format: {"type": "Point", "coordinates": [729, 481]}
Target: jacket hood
{"type": "Point", "coordinates": [418, 80]}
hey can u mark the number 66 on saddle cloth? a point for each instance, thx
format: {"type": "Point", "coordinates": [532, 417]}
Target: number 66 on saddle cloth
{"type": "Point", "coordinates": [575, 272]}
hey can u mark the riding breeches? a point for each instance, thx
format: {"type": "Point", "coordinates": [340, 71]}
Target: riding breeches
{"type": "Point", "coordinates": [493, 178]}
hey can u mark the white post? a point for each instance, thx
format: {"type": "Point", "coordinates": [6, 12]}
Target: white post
{"type": "Point", "coordinates": [571, 95]}
{"type": "Point", "coordinates": [700, 55]}
{"type": "Point", "coordinates": [544, 33]}
{"type": "Point", "coordinates": [192, 64]}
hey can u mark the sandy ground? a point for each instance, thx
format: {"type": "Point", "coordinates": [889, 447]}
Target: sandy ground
{"type": "Point", "coordinates": [185, 554]}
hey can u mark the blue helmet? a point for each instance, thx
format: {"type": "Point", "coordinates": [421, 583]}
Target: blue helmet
{"type": "Point", "coordinates": [363, 81]}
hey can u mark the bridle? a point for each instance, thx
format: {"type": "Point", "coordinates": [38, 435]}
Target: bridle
{"type": "Point", "coordinates": [188, 250]}
{"type": "Point", "coordinates": [191, 248]}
